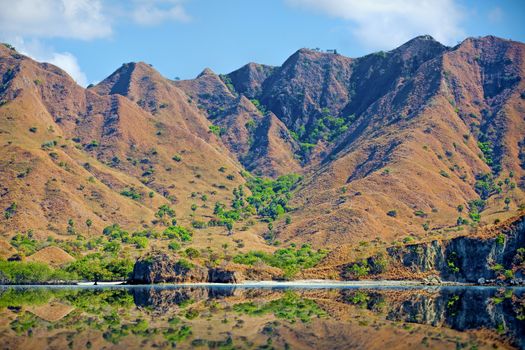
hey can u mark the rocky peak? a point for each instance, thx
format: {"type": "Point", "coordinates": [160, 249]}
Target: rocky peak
{"type": "Point", "coordinates": [122, 80]}
{"type": "Point", "coordinates": [248, 79]}
{"type": "Point", "coordinates": [205, 72]}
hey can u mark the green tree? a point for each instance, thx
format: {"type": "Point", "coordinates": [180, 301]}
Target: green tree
{"type": "Point", "coordinates": [89, 223]}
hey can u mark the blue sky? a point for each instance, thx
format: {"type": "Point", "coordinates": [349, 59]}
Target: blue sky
{"type": "Point", "coordinates": [92, 38]}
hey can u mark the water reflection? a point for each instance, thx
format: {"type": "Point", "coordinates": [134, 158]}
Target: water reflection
{"type": "Point", "coordinates": [262, 318]}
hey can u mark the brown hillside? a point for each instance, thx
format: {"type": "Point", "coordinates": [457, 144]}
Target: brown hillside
{"type": "Point", "coordinates": [53, 256]}
{"type": "Point", "coordinates": [395, 146]}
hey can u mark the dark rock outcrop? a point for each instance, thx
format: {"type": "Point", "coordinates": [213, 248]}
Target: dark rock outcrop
{"type": "Point", "coordinates": [218, 275]}
{"type": "Point", "coordinates": [162, 268]}
{"type": "Point", "coordinates": [464, 259]}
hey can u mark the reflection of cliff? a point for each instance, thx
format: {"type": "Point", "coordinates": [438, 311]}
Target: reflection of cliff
{"type": "Point", "coordinates": [457, 308]}
{"type": "Point", "coordinates": [163, 299]}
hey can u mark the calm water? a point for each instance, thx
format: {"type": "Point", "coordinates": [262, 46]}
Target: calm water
{"type": "Point", "coordinates": [261, 318]}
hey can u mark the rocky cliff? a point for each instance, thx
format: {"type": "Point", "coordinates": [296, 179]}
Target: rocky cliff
{"type": "Point", "coordinates": [163, 268]}
{"type": "Point", "coordinates": [498, 255]}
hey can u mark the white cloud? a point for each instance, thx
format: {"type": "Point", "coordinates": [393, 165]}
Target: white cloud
{"type": "Point", "coordinates": [65, 60]}
{"type": "Point", "coordinates": [27, 24]}
{"type": "Point", "coordinates": [80, 19]}
{"type": "Point", "coordinates": [383, 24]}
{"type": "Point", "coordinates": [68, 62]}
{"type": "Point", "coordinates": [154, 12]}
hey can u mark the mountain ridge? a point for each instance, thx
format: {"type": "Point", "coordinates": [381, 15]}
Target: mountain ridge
{"type": "Point", "coordinates": [389, 145]}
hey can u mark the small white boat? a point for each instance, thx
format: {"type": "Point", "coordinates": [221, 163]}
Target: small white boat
{"type": "Point", "coordinates": [100, 283]}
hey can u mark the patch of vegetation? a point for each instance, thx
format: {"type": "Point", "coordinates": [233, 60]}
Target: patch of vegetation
{"type": "Point", "coordinates": [177, 158]}
{"type": "Point", "coordinates": [500, 239]}
{"type": "Point", "coordinates": [10, 211]}
{"type": "Point", "coordinates": [97, 267]}
{"type": "Point", "coordinates": [214, 129]}
{"type": "Point", "coordinates": [270, 197]}
{"type": "Point", "coordinates": [269, 200]}
{"type": "Point", "coordinates": [178, 232]}
{"type": "Point", "coordinates": [18, 272]}
{"type": "Point", "coordinates": [18, 297]}
{"type": "Point", "coordinates": [165, 211]}
{"type": "Point", "coordinates": [444, 173]}
{"type": "Point", "coordinates": [475, 207]}
{"type": "Point", "coordinates": [453, 262]}
{"type": "Point", "coordinates": [131, 193]}
{"type": "Point", "coordinates": [290, 260]}
{"type": "Point", "coordinates": [485, 186]}
{"type": "Point", "coordinates": [487, 152]}
{"type": "Point", "coordinates": [259, 106]}
{"type": "Point", "coordinates": [290, 307]}
{"type": "Point", "coordinates": [176, 335]}
{"type": "Point", "coordinates": [49, 145]}
{"type": "Point", "coordinates": [359, 269]}
{"type": "Point", "coordinates": [326, 127]}
{"type": "Point", "coordinates": [25, 243]}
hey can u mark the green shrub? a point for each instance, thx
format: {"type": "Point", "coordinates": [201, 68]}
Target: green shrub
{"type": "Point", "coordinates": [97, 267]}
{"type": "Point", "coordinates": [178, 232]}
{"type": "Point", "coordinates": [18, 272]}
{"type": "Point", "coordinates": [198, 224]}
{"type": "Point", "coordinates": [115, 232]}
{"type": "Point", "coordinates": [140, 242]}
{"type": "Point", "coordinates": [270, 197]}
{"type": "Point", "coordinates": [131, 193]}
{"type": "Point", "coordinates": [24, 243]}
{"type": "Point", "coordinates": [359, 269]}
{"type": "Point", "coordinates": [165, 210]}
{"type": "Point", "coordinates": [444, 173]}
{"type": "Point", "coordinates": [420, 213]}
{"type": "Point", "coordinates": [185, 264]}
{"type": "Point", "coordinates": [192, 253]}
{"type": "Point", "coordinates": [174, 245]}
{"type": "Point", "coordinates": [214, 129]}
{"type": "Point", "coordinates": [392, 213]}
{"type": "Point", "coordinates": [10, 211]}
{"type": "Point", "coordinates": [290, 260]}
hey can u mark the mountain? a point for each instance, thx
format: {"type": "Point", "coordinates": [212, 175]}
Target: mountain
{"type": "Point", "coordinates": [419, 142]}
{"type": "Point", "coordinates": [110, 154]}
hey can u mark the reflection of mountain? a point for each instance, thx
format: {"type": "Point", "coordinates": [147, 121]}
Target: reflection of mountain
{"type": "Point", "coordinates": [233, 317]}
{"type": "Point", "coordinates": [163, 300]}
{"type": "Point", "coordinates": [457, 308]}
{"type": "Point", "coordinates": [52, 312]}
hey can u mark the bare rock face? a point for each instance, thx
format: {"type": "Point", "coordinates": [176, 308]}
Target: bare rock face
{"type": "Point", "coordinates": [466, 259]}
{"type": "Point", "coordinates": [162, 268]}
{"type": "Point", "coordinates": [219, 275]}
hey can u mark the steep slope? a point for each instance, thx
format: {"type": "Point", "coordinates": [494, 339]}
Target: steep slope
{"type": "Point", "coordinates": [241, 123]}
{"type": "Point", "coordinates": [423, 141]}
{"type": "Point", "coordinates": [248, 80]}
{"type": "Point", "coordinates": [157, 95]}
{"type": "Point", "coordinates": [69, 153]}
{"type": "Point", "coordinates": [414, 155]}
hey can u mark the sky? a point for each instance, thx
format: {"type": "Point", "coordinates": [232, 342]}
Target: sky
{"type": "Point", "coordinates": [92, 38]}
